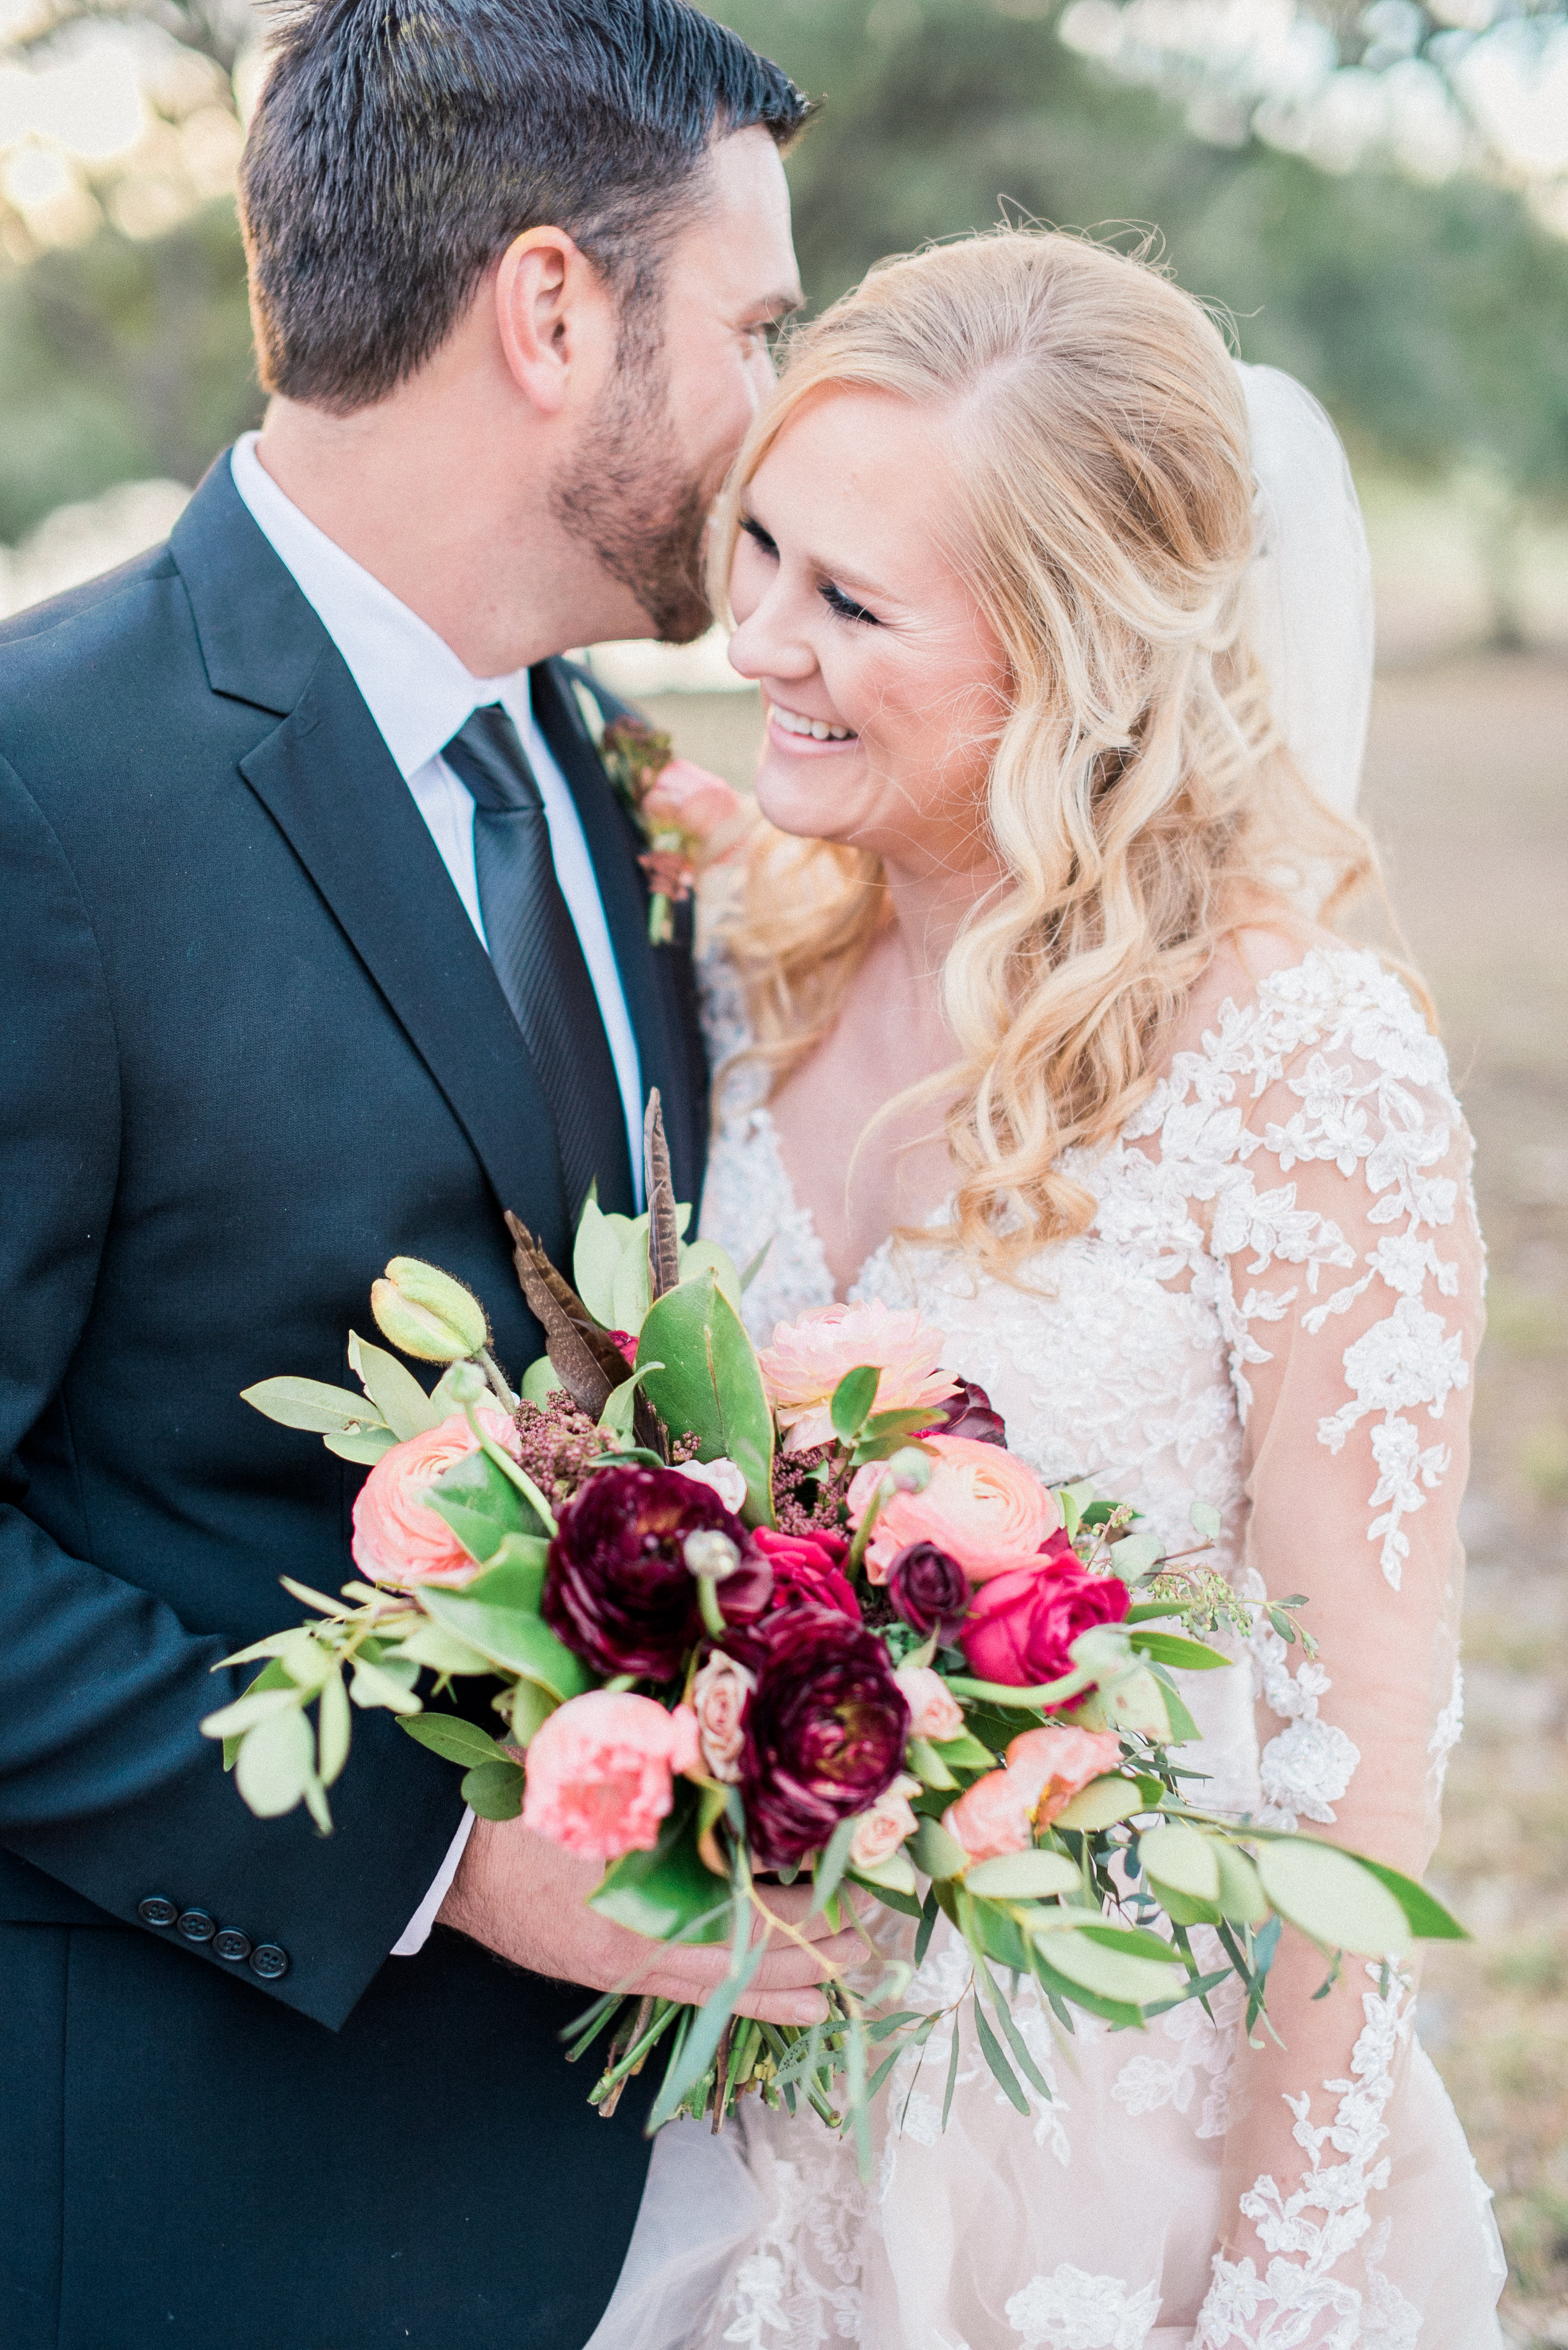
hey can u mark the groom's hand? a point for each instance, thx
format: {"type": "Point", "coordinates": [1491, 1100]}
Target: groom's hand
{"type": "Point", "coordinates": [524, 1898]}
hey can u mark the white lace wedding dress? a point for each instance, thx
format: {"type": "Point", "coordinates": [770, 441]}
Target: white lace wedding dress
{"type": "Point", "coordinates": [1275, 1311]}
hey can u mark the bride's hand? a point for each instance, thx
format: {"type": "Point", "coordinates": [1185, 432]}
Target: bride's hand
{"type": "Point", "coordinates": [524, 1898]}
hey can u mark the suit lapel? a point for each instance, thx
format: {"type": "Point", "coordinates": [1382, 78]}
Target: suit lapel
{"type": "Point", "coordinates": [646, 978]}
{"type": "Point", "coordinates": [328, 781]}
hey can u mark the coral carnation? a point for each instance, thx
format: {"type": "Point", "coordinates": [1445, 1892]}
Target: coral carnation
{"type": "Point", "coordinates": [808, 1358]}
{"type": "Point", "coordinates": [601, 1772]}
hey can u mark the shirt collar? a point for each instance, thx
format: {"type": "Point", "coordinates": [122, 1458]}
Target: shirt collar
{"type": "Point", "coordinates": [413, 684]}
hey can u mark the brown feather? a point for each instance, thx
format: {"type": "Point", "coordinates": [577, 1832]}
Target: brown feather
{"type": "Point", "coordinates": [589, 1362]}
{"type": "Point", "coordinates": [663, 1230]}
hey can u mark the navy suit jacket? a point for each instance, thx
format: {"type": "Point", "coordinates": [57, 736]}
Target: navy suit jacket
{"type": "Point", "coordinates": [251, 1048]}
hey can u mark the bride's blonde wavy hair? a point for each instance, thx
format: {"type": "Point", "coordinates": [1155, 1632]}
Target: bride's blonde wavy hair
{"type": "Point", "coordinates": [1141, 799]}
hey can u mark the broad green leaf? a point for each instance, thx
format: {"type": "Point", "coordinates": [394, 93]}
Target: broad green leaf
{"type": "Point", "coordinates": [540, 1380]}
{"type": "Point", "coordinates": [1183, 1909]}
{"type": "Point", "coordinates": [372, 1687]}
{"type": "Point", "coordinates": [334, 1729]}
{"type": "Point", "coordinates": [1065, 1995]}
{"type": "Point", "coordinates": [1137, 1701]}
{"type": "Point", "coordinates": [633, 1292]}
{"type": "Point", "coordinates": [852, 1399]}
{"type": "Point", "coordinates": [481, 1507]}
{"type": "Point", "coordinates": [276, 1759]}
{"type": "Point", "coordinates": [1113, 1973]}
{"type": "Point", "coordinates": [363, 1450]}
{"type": "Point", "coordinates": [514, 1577]}
{"type": "Point", "coordinates": [1079, 1497]}
{"type": "Point", "coordinates": [895, 1874]}
{"type": "Point", "coordinates": [964, 1752]}
{"type": "Point", "coordinates": [1135, 1555]}
{"type": "Point", "coordinates": [257, 1705]}
{"type": "Point", "coordinates": [1178, 1653]}
{"type": "Point", "coordinates": [529, 1708]}
{"type": "Point", "coordinates": [1180, 1856]}
{"type": "Point", "coordinates": [1241, 1895]}
{"type": "Point", "coordinates": [616, 1418]}
{"type": "Point", "coordinates": [668, 1893]}
{"type": "Point", "coordinates": [596, 1260]}
{"type": "Point", "coordinates": [1023, 1876]}
{"type": "Point", "coordinates": [1424, 1913]}
{"type": "Point", "coordinates": [1333, 1896]}
{"type": "Point", "coordinates": [493, 1790]}
{"type": "Point", "coordinates": [431, 1644]}
{"type": "Point", "coordinates": [513, 1637]}
{"type": "Point", "coordinates": [1133, 1941]}
{"type": "Point", "coordinates": [922, 1758]}
{"type": "Point", "coordinates": [393, 1388]}
{"type": "Point", "coordinates": [711, 1386]}
{"type": "Point", "coordinates": [311, 1403]}
{"type": "Point", "coordinates": [1102, 1804]}
{"type": "Point", "coordinates": [935, 1853]}
{"type": "Point", "coordinates": [1206, 1521]}
{"type": "Point", "coordinates": [270, 1677]}
{"type": "Point", "coordinates": [707, 1256]}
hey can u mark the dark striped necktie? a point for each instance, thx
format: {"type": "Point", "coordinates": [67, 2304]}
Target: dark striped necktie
{"type": "Point", "coordinates": [538, 958]}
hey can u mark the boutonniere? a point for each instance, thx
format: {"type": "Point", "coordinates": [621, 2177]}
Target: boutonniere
{"type": "Point", "coordinates": [677, 806]}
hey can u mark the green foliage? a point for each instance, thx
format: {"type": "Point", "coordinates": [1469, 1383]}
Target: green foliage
{"type": "Point", "coordinates": [712, 1389]}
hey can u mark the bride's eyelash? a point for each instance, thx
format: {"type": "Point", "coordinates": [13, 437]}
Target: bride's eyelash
{"type": "Point", "coordinates": [753, 529]}
{"type": "Point", "coordinates": [838, 602]}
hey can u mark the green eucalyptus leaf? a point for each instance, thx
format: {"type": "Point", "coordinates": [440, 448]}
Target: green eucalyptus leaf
{"type": "Point", "coordinates": [257, 1705]}
{"type": "Point", "coordinates": [1424, 1913]}
{"type": "Point", "coordinates": [1024, 1876]}
{"type": "Point", "coordinates": [1242, 1895]}
{"type": "Point", "coordinates": [711, 1386]}
{"type": "Point", "coordinates": [1183, 1859]}
{"type": "Point", "coordinates": [311, 1403]}
{"type": "Point", "coordinates": [922, 1757]}
{"type": "Point", "coordinates": [1102, 1804]}
{"type": "Point", "coordinates": [1135, 1555]}
{"type": "Point", "coordinates": [334, 1729]}
{"type": "Point", "coordinates": [937, 1854]}
{"type": "Point", "coordinates": [364, 1450]}
{"type": "Point", "coordinates": [1333, 1896]}
{"type": "Point", "coordinates": [513, 1637]}
{"type": "Point", "coordinates": [596, 1260]}
{"type": "Point", "coordinates": [393, 1388]}
{"type": "Point", "coordinates": [964, 1752]}
{"type": "Point", "coordinates": [1206, 1521]}
{"type": "Point", "coordinates": [1122, 1975]}
{"type": "Point", "coordinates": [373, 1686]}
{"type": "Point", "coordinates": [439, 1651]}
{"type": "Point", "coordinates": [276, 1759]}
{"type": "Point", "coordinates": [494, 1791]}
{"type": "Point", "coordinates": [1178, 1653]}
{"type": "Point", "coordinates": [453, 1738]}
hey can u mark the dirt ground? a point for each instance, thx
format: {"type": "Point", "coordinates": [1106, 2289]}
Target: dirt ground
{"type": "Point", "coordinates": [1468, 791]}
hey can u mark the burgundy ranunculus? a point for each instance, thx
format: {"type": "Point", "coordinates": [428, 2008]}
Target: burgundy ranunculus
{"type": "Point", "coordinates": [970, 1413]}
{"type": "Point", "coordinates": [1024, 1623]}
{"type": "Point", "coordinates": [929, 1589]}
{"type": "Point", "coordinates": [808, 1568]}
{"type": "Point", "coordinates": [825, 1732]}
{"type": "Point", "coordinates": [617, 1588]}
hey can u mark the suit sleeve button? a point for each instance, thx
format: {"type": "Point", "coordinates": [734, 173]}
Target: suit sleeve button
{"type": "Point", "coordinates": [196, 1925]}
{"type": "Point", "coordinates": [232, 1944]}
{"type": "Point", "coordinates": [269, 1962]}
{"type": "Point", "coordinates": [156, 1911]}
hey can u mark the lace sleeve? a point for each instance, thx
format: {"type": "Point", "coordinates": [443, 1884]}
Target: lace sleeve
{"type": "Point", "coordinates": [1348, 1264]}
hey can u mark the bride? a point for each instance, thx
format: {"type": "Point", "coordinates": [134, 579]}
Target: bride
{"type": "Point", "coordinates": [1031, 1013]}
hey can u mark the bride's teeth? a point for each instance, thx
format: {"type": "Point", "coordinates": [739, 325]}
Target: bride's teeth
{"type": "Point", "coordinates": [794, 722]}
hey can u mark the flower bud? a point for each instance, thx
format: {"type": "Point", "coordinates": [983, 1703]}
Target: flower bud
{"type": "Point", "coordinates": [909, 1472]}
{"type": "Point", "coordinates": [426, 1314]}
{"type": "Point", "coordinates": [465, 1383]}
{"type": "Point", "coordinates": [709, 1552]}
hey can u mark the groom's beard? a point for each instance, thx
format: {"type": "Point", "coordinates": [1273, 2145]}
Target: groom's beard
{"type": "Point", "coordinates": [641, 513]}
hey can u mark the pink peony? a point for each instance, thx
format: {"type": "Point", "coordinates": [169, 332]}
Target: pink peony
{"type": "Point", "coordinates": [1023, 1625]}
{"type": "Point", "coordinates": [808, 1358]}
{"type": "Point", "coordinates": [398, 1537]}
{"type": "Point", "coordinates": [880, 1832]}
{"type": "Point", "coordinates": [934, 1711]}
{"type": "Point", "coordinates": [601, 1771]}
{"type": "Point", "coordinates": [722, 1476]}
{"type": "Point", "coordinates": [719, 1695]}
{"type": "Point", "coordinates": [1058, 1765]}
{"type": "Point", "coordinates": [983, 1506]}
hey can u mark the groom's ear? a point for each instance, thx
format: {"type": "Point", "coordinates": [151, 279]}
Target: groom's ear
{"type": "Point", "coordinates": [555, 318]}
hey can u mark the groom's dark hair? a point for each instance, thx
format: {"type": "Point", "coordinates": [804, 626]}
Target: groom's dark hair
{"type": "Point", "coordinates": [400, 145]}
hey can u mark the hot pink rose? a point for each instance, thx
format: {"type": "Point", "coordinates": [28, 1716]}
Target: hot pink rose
{"type": "Point", "coordinates": [934, 1711]}
{"type": "Point", "coordinates": [1023, 1625]}
{"type": "Point", "coordinates": [880, 1832]}
{"type": "Point", "coordinates": [398, 1537]}
{"type": "Point", "coordinates": [719, 1695]}
{"type": "Point", "coordinates": [809, 1356]}
{"type": "Point", "coordinates": [1058, 1765]}
{"type": "Point", "coordinates": [808, 1566]}
{"type": "Point", "coordinates": [601, 1771]}
{"type": "Point", "coordinates": [983, 1506]}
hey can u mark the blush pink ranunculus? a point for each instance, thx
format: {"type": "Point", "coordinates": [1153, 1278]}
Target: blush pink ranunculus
{"type": "Point", "coordinates": [398, 1537]}
{"type": "Point", "coordinates": [1022, 1625]}
{"type": "Point", "coordinates": [1058, 1764]}
{"type": "Point", "coordinates": [601, 1771]}
{"type": "Point", "coordinates": [809, 1356]}
{"type": "Point", "coordinates": [983, 1506]}
{"type": "Point", "coordinates": [934, 1711]}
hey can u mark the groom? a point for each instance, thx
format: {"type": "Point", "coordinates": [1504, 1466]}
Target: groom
{"type": "Point", "coordinates": [325, 940]}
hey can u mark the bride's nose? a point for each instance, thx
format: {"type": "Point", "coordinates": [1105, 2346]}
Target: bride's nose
{"type": "Point", "coordinates": [765, 647]}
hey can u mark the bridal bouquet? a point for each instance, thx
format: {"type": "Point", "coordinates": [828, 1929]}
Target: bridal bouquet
{"type": "Point", "coordinates": [742, 1616]}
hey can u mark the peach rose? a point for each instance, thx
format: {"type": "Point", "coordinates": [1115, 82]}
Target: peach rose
{"type": "Point", "coordinates": [1058, 1765]}
{"type": "Point", "coordinates": [398, 1537]}
{"type": "Point", "coordinates": [809, 1356]}
{"type": "Point", "coordinates": [992, 1817]}
{"type": "Point", "coordinates": [719, 1696]}
{"type": "Point", "coordinates": [601, 1771]}
{"type": "Point", "coordinates": [880, 1832]}
{"type": "Point", "coordinates": [983, 1506]}
{"type": "Point", "coordinates": [688, 798]}
{"type": "Point", "coordinates": [934, 1711]}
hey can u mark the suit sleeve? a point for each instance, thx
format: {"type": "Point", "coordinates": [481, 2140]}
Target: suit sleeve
{"type": "Point", "coordinates": [106, 1783]}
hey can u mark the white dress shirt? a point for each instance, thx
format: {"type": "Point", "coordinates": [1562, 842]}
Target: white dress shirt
{"type": "Point", "coordinates": [420, 694]}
